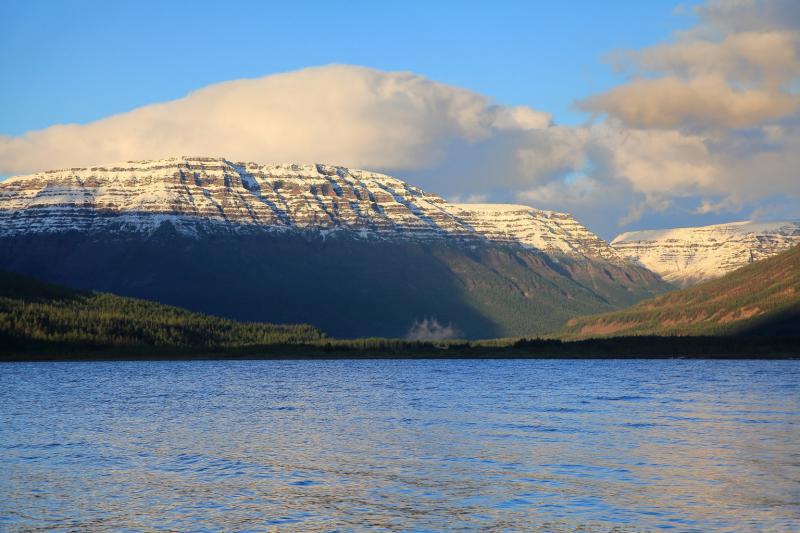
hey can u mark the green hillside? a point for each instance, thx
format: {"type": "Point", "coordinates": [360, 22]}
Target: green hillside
{"type": "Point", "coordinates": [762, 298]}
{"type": "Point", "coordinates": [346, 286]}
{"type": "Point", "coordinates": [40, 321]}
{"type": "Point", "coordinates": [35, 315]}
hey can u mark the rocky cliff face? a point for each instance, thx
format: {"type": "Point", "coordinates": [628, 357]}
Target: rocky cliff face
{"type": "Point", "coordinates": [533, 228]}
{"type": "Point", "coordinates": [213, 194]}
{"type": "Point", "coordinates": [685, 256]}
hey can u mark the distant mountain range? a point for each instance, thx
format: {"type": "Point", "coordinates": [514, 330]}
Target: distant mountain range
{"type": "Point", "coordinates": [684, 256]}
{"type": "Point", "coordinates": [353, 252]}
{"type": "Point", "coordinates": [762, 298]}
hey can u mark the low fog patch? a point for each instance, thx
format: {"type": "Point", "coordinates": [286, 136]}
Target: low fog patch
{"type": "Point", "coordinates": [429, 329]}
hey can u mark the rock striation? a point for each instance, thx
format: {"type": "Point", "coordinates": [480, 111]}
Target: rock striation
{"type": "Point", "coordinates": [533, 228]}
{"type": "Point", "coordinates": [201, 194]}
{"type": "Point", "coordinates": [685, 256]}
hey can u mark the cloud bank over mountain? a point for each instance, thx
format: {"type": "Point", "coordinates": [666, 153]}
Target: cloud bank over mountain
{"type": "Point", "coordinates": [710, 120]}
{"type": "Point", "coordinates": [727, 91]}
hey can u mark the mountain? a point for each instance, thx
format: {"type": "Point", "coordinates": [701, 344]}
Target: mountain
{"type": "Point", "coordinates": [353, 252]}
{"type": "Point", "coordinates": [762, 298]}
{"type": "Point", "coordinates": [533, 228]}
{"type": "Point", "coordinates": [684, 256]}
{"type": "Point", "coordinates": [37, 315]}
{"type": "Point", "coordinates": [200, 195]}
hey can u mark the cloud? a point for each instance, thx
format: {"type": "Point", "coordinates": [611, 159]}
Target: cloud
{"type": "Point", "coordinates": [710, 206]}
{"type": "Point", "coordinates": [712, 115]}
{"type": "Point", "coordinates": [469, 199]}
{"type": "Point", "coordinates": [737, 68]}
{"type": "Point", "coordinates": [625, 172]}
{"type": "Point", "coordinates": [661, 162]}
{"type": "Point", "coordinates": [700, 103]}
{"type": "Point", "coordinates": [750, 15]}
{"type": "Point", "coordinates": [768, 58]}
{"type": "Point", "coordinates": [350, 115]}
{"type": "Point", "coordinates": [760, 162]}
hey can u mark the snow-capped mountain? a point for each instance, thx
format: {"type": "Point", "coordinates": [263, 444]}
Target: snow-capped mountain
{"type": "Point", "coordinates": [211, 194]}
{"type": "Point", "coordinates": [688, 255]}
{"type": "Point", "coordinates": [533, 228]}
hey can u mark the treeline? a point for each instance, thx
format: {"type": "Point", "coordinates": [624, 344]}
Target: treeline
{"type": "Point", "coordinates": [35, 314]}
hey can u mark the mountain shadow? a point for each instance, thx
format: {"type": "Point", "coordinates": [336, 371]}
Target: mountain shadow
{"type": "Point", "coordinates": [346, 286]}
{"type": "Point", "coordinates": [785, 323]}
{"type": "Point", "coordinates": [46, 319]}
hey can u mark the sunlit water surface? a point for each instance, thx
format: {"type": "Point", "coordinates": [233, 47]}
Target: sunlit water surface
{"type": "Point", "coordinates": [400, 445]}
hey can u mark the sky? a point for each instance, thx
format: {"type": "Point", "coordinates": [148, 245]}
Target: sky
{"type": "Point", "coordinates": [631, 115]}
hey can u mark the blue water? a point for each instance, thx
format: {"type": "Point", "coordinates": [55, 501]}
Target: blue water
{"type": "Point", "coordinates": [400, 445]}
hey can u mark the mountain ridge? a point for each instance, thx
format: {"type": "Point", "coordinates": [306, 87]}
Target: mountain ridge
{"type": "Point", "coordinates": [208, 194]}
{"type": "Point", "coordinates": [762, 298]}
{"type": "Point", "coordinates": [685, 256]}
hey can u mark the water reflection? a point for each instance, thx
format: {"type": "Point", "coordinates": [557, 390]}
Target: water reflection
{"type": "Point", "coordinates": [397, 445]}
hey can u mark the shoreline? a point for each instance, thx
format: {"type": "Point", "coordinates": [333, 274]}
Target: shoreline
{"type": "Point", "coordinates": [733, 348]}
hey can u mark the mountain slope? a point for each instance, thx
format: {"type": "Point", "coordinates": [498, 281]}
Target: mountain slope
{"type": "Point", "coordinates": [345, 286]}
{"type": "Point", "coordinates": [33, 313]}
{"type": "Point", "coordinates": [352, 252]}
{"type": "Point", "coordinates": [684, 256]}
{"type": "Point", "coordinates": [762, 298]}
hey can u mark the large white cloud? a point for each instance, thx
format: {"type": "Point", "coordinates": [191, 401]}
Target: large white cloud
{"type": "Point", "coordinates": [343, 114]}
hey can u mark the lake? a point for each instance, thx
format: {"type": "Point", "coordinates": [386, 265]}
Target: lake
{"type": "Point", "coordinates": [400, 445]}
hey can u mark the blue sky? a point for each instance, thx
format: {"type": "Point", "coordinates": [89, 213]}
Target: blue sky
{"type": "Point", "coordinates": [79, 61]}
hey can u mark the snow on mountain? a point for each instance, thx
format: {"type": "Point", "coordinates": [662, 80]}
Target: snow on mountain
{"type": "Point", "coordinates": [688, 255]}
{"type": "Point", "coordinates": [201, 193]}
{"type": "Point", "coordinates": [543, 230]}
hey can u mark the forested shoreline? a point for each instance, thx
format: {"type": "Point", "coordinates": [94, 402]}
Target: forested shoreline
{"type": "Point", "coordinates": [42, 321]}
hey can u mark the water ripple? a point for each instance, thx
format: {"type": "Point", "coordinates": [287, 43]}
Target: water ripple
{"type": "Point", "coordinates": [400, 446]}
